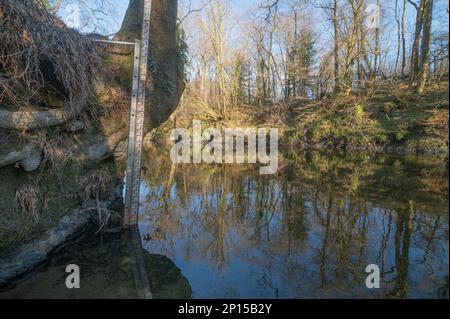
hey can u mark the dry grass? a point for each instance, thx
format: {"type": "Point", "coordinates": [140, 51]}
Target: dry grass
{"type": "Point", "coordinates": [26, 201]}
{"type": "Point", "coordinates": [94, 185]}
{"type": "Point", "coordinates": [54, 157]}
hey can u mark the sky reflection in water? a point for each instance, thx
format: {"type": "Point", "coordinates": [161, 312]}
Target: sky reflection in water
{"type": "Point", "coordinates": [307, 232]}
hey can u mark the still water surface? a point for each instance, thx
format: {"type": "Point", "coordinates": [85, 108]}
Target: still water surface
{"type": "Point", "coordinates": [307, 232]}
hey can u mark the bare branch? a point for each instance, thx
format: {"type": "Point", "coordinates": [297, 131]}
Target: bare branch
{"type": "Point", "coordinates": [191, 11]}
{"type": "Point", "coordinates": [414, 4]}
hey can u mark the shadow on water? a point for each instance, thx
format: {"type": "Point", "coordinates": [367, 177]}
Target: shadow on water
{"type": "Point", "coordinates": [308, 232]}
{"type": "Point", "coordinates": [106, 272]}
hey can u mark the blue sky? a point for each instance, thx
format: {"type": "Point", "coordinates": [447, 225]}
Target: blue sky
{"type": "Point", "coordinates": [116, 10]}
{"type": "Point", "coordinates": [240, 10]}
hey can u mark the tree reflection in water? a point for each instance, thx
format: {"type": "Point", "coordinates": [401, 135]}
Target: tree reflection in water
{"type": "Point", "coordinates": [307, 232]}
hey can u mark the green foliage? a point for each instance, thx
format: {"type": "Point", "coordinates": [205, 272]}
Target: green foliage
{"type": "Point", "coordinates": [182, 52]}
{"type": "Point", "coordinates": [300, 59]}
{"type": "Point", "coordinates": [359, 112]}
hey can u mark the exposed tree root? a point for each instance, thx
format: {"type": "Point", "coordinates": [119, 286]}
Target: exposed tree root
{"type": "Point", "coordinates": [39, 55]}
{"type": "Point", "coordinates": [92, 148]}
{"type": "Point", "coordinates": [98, 148]}
{"type": "Point", "coordinates": [28, 156]}
{"type": "Point", "coordinates": [24, 120]}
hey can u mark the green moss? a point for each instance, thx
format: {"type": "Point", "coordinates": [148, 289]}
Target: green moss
{"type": "Point", "coordinates": [359, 112]}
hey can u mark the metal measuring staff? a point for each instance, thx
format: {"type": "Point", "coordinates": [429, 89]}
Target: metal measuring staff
{"type": "Point", "coordinates": [136, 131]}
{"type": "Point", "coordinates": [132, 129]}
{"type": "Point", "coordinates": [136, 127]}
{"type": "Point", "coordinates": [133, 112]}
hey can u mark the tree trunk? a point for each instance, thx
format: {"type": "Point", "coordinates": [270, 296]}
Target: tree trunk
{"type": "Point", "coordinates": [398, 39]}
{"type": "Point", "coordinates": [416, 42]}
{"type": "Point", "coordinates": [425, 47]}
{"type": "Point", "coordinates": [377, 49]}
{"type": "Point", "coordinates": [336, 46]}
{"type": "Point", "coordinates": [403, 39]}
{"type": "Point", "coordinates": [165, 63]}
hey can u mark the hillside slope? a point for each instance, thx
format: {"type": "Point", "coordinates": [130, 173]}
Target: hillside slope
{"type": "Point", "coordinates": [392, 118]}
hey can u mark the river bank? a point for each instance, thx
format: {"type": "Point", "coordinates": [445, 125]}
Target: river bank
{"type": "Point", "coordinates": [55, 212]}
{"type": "Point", "coordinates": [390, 118]}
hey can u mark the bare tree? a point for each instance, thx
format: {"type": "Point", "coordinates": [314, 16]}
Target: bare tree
{"type": "Point", "coordinates": [403, 39]}
{"type": "Point", "coordinates": [425, 47]}
{"type": "Point", "coordinates": [420, 9]}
